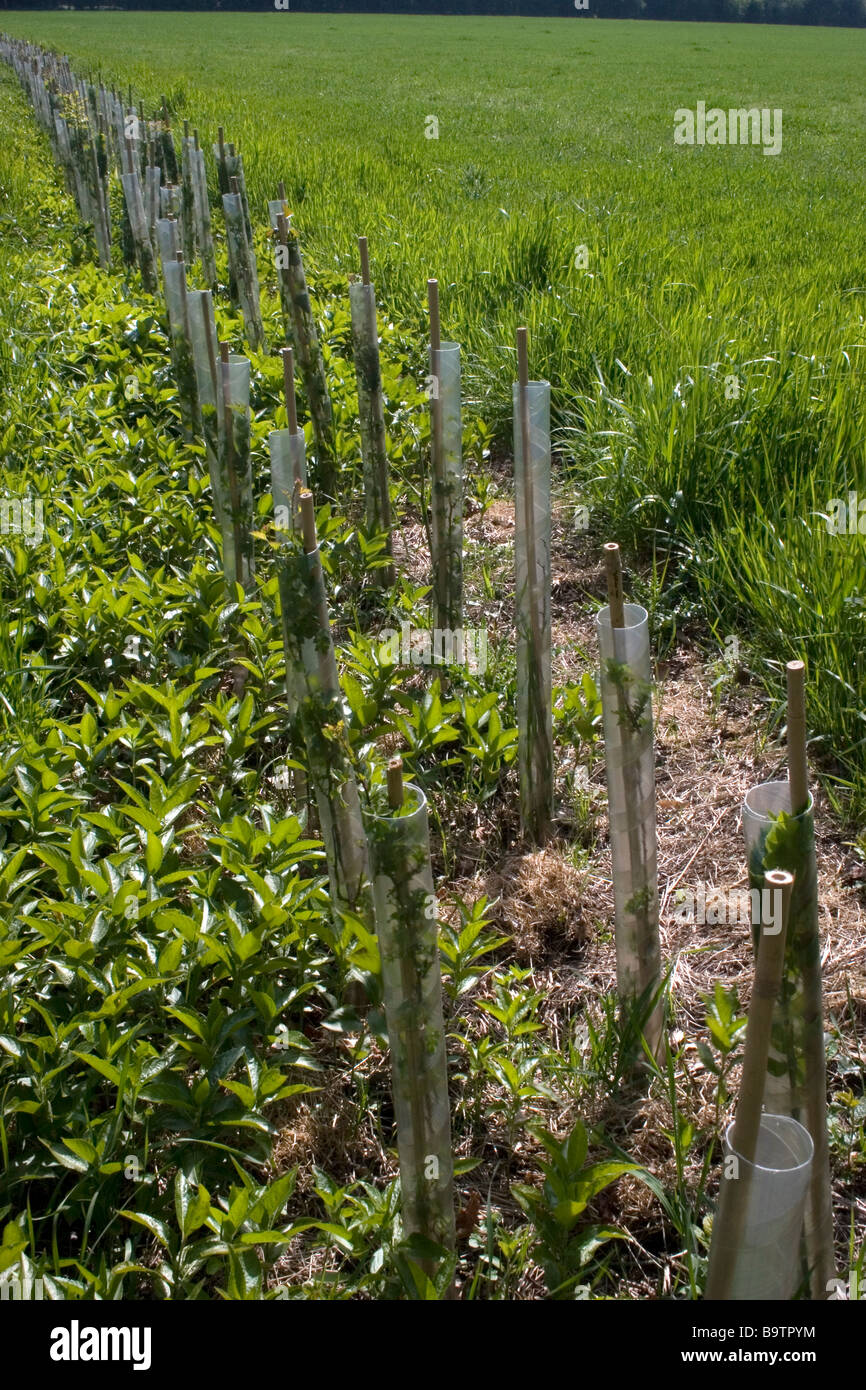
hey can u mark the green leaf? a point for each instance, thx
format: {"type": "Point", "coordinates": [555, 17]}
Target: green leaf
{"type": "Point", "coordinates": [153, 853]}
{"type": "Point", "coordinates": [67, 1159]}
{"type": "Point", "coordinates": [170, 957]}
{"type": "Point", "coordinates": [151, 1223]}
{"type": "Point", "coordinates": [99, 1064]}
{"type": "Point", "coordinates": [83, 1148]}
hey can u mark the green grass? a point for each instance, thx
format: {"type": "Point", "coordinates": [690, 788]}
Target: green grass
{"type": "Point", "coordinates": [703, 263]}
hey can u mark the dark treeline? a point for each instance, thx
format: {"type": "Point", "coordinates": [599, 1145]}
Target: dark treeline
{"type": "Point", "coordinates": [831, 12]}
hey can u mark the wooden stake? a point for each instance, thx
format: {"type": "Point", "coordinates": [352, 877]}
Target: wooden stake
{"type": "Point", "coordinates": [365, 260]}
{"type": "Point", "coordinates": [308, 520]}
{"type": "Point", "coordinates": [734, 1197]}
{"type": "Point", "coordinates": [523, 380]}
{"type": "Point", "coordinates": [395, 783]}
{"type": "Point", "coordinates": [534, 674]}
{"type": "Point", "coordinates": [288, 357]}
{"type": "Point", "coordinates": [798, 771]}
{"type": "Point", "coordinates": [228, 426]}
{"type": "Point", "coordinates": [435, 331]}
{"type": "Point", "coordinates": [281, 191]}
{"type": "Point", "coordinates": [613, 567]}
{"type": "Point", "coordinates": [768, 978]}
{"type": "Point", "coordinates": [205, 302]}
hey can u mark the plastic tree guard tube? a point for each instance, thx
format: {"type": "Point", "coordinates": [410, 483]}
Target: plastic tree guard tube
{"type": "Point", "coordinates": [626, 693]}
{"type": "Point", "coordinates": [174, 276]}
{"type": "Point", "coordinates": [411, 978]}
{"type": "Point", "coordinates": [796, 1068]}
{"type": "Point", "coordinates": [138, 223]}
{"type": "Point", "coordinates": [532, 565]}
{"type": "Point", "coordinates": [446, 491]}
{"type": "Point", "coordinates": [203, 336]}
{"type": "Point", "coordinates": [374, 448]}
{"type": "Point", "coordinates": [310, 654]}
{"type": "Point", "coordinates": [235, 472]}
{"type": "Point", "coordinates": [765, 1263]}
{"type": "Point", "coordinates": [244, 273]}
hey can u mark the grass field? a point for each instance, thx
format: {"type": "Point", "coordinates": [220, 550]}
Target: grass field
{"type": "Point", "coordinates": [702, 263]}
{"type": "Point", "coordinates": [146, 1059]}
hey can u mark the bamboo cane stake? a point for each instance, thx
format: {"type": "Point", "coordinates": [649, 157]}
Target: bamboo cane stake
{"type": "Point", "coordinates": [138, 223]}
{"type": "Point", "coordinates": [798, 775]}
{"type": "Point", "coordinates": [288, 357]}
{"type": "Point", "coordinates": [535, 729]}
{"type": "Point", "coordinates": [446, 484]}
{"type": "Point", "coordinates": [77, 164]}
{"type": "Point", "coordinates": [183, 359]}
{"type": "Point", "coordinates": [395, 783]}
{"type": "Point", "coordinates": [166, 140]}
{"type": "Point", "coordinates": [371, 408]}
{"type": "Point", "coordinates": [279, 237]}
{"type": "Point", "coordinates": [210, 395]}
{"type": "Point", "coordinates": [288, 455]}
{"type": "Point", "coordinates": [435, 408]}
{"type": "Point", "coordinates": [305, 340]}
{"type": "Point", "coordinates": [98, 171]}
{"type": "Point", "coordinates": [141, 142]}
{"type": "Point", "coordinates": [236, 471]}
{"type": "Point", "coordinates": [152, 184]}
{"type": "Point", "coordinates": [310, 652]}
{"type": "Point", "coordinates": [411, 980]}
{"type": "Point", "coordinates": [243, 266]}
{"type": "Point", "coordinates": [613, 570]}
{"type": "Point", "coordinates": [229, 471]}
{"type": "Point", "coordinates": [288, 478]}
{"type": "Point", "coordinates": [190, 240]}
{"type": "Point", "coordinates": [204, 231]}
{"type": "Point", "coordinates": [819, 1207]}
{"type": "Point", "coordinates": [734, 1203]}
{"type": "Point", "coordinates": [235, 168]}
{"type": "Point", "coordinates": [631, 800]}
{"type": "Point", "coordinates": [768, 976]}
{"type": "Point", "coordinates": [222, 168]}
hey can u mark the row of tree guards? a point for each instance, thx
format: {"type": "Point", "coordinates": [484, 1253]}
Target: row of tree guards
{"type": "Point", "coordinates": [776, 1178]}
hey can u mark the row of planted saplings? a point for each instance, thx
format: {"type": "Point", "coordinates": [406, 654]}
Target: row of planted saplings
{"type": "Point", "coordinates": [93, 131]}
{"type": "Point", "coordinates": [775, 1182]}
{"type": "Point", "coordinates": [391, 852]}
{"type": "Point", "coordinates": [379, 867]}
{"type": "Point", "coordinates": [776, 1168]}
